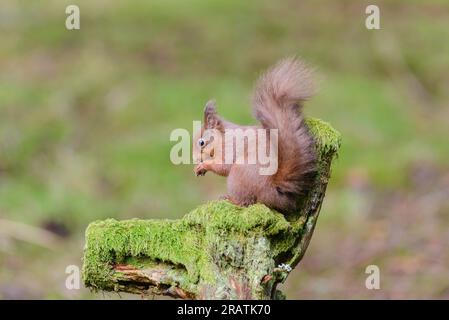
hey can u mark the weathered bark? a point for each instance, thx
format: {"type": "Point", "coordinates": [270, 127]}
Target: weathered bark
{"type": "Point", "coordinates": [139, 280]}
{"type": "Point", "coordinates": [218, 251]}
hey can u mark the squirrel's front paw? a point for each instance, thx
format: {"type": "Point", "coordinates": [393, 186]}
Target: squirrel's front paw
{"type": "Point", "coordinates": [200, 169]}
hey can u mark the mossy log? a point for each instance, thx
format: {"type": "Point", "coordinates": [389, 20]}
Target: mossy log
{"type": "Point", "coordinates": [217, 251]}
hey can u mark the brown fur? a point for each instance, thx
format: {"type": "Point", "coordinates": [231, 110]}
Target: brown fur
{"type": "Point", "coordinates": [277, 104]}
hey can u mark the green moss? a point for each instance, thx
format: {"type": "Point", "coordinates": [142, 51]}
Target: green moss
{"type": "Point", "coordinates": [194, 242]}
{"type": "Point", "coordinates": [112, 242]}
{"type": "Point", "coordinates": [327, 138]}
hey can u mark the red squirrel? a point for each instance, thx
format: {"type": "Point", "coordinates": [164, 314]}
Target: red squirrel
{"type": "Point", "coordinates": [277, 104]}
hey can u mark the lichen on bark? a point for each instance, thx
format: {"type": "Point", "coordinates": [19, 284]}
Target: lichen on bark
{"type": "Point", "coordinates": [218, 250]}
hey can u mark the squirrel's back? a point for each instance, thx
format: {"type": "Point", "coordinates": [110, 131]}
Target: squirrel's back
{"type": "Point", "coordinates": [277, 103]}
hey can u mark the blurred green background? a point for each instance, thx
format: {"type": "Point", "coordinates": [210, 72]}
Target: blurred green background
{"type": "Point", "coordinates": [85, 119]}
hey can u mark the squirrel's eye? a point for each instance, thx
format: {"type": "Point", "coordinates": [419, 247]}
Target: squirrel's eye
{"type": "Point", "coordinates": [201, 142]}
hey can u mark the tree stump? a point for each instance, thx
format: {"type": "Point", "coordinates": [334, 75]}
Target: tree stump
{"type": "Point", "coordinates": [217, 251]}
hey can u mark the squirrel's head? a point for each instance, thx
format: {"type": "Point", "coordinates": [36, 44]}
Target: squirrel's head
{"type": "Point", "coordinates": [207, 143]}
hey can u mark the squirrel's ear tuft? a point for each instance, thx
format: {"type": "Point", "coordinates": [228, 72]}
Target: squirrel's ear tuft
{"type": "Point", "coordinates": [211, 118]}
{"type": "Point", "coordinates": [210, 107]}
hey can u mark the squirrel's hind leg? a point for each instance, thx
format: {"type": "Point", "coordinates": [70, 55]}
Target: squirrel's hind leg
{"type": "Point", "coordinates": [244, 202]}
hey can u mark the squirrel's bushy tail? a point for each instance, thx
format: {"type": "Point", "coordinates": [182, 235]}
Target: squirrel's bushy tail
{"type": "Point", "coordinates": [277, 102]}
